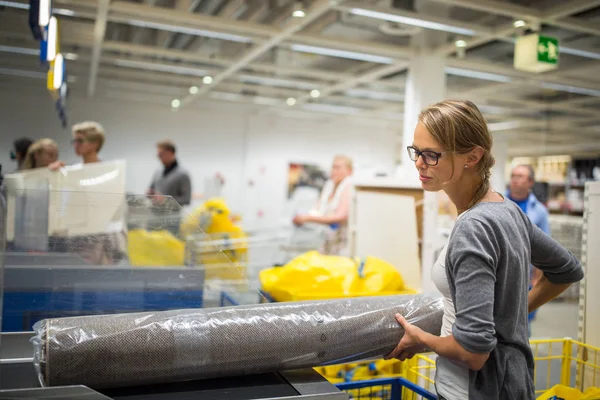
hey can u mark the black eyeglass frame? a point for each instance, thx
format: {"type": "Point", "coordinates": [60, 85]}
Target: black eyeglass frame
{"type": "Point", "coordinates": [427, 153]}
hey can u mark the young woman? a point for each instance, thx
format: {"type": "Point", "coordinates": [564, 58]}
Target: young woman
{"type": "Point", "coordinates": [42, 153]}
{"type": "Point", "coordinates": [483, 273]}
{"type": "Point", "coordinates": [333, 208]}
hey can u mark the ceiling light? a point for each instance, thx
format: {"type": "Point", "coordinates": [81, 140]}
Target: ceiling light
{"type": "Point", "coordinates": [298, 11]}
{"type": "Point", "coordinates": [291, 101]}
{"type": "Point", "coordinates": [461, 44]}
{"type": "Point", "coordinates": [486, 76]}
{"type": "Point", "coordinates": [20, 50]}
{"type": "Point", "coordinates": [374, 95]}
{"type": "Point", "coordinates": [226, 96]}
{"type": "Point", "coordinates": [14, 4]}
{"type": "Point", "coordinates": [268, 81]}
{"type": "Point", "coordinates": [519, 24]}
{"type": "Point", "coordinates": [175, 103]}
{"type": "Point", "coordinates": [160, 67]}
{"type": "Point", "coordinates": [342, 54]}
{"type": "Point", "coordinates": [412, 21]}
{"type": "Point", "coordinates": [332, 108]}
{"type": "Point", "coordinates": [580, 53]}
{"type": "Point", "coordinates": [314, 93]}
{"type": "Point", "coordinates": [71, 56]}
{"type": "Point", "coordinates": [189, 31]}
{"type": "Point", "coordinates": [571, 89]}
{"type": "Point", "coordinates": [63, 11]}
{"type": "Point", "coordinates": [193, 89]}
{"type": "Point", "coordinates": [23, 73]}
{"type": "Point", "coordinates": [207, 80]}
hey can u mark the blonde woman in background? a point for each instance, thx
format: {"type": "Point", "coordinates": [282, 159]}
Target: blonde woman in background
{"type": "Point", "coordinates": [333, 208]}
{"type": "Point", "coordinates": [42, 153]}
{"type": "Point", "coordinates": [88, 139]}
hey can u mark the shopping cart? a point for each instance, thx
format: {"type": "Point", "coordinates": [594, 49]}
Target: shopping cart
{"type": "Point", "coordinates": [564, 362]}
{"type": "Point", "coordinates": [384, 389]}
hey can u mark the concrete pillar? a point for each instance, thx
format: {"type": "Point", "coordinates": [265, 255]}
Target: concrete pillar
{"type": "Point", "coordinates": [425, 85]}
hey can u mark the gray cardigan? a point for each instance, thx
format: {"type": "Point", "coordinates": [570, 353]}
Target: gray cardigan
{"type": "Point", "coordinates": [173, 182]}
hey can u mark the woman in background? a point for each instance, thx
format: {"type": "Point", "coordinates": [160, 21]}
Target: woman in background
{"type": "Point", "coordinates": [333, 207]}
{"type": "Point", "coordinates": [42, 153]}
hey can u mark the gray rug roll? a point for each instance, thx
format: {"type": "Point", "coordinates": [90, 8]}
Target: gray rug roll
{"type": "Point", "coordinates": [156, 347]}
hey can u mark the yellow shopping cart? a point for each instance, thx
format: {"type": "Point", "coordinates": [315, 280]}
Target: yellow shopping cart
{"type": "Point", "coordinates": [563, 362]}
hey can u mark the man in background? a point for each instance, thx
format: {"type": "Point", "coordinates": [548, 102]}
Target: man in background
{"type": "Point", "coordinates": [171, 180]}
{"type": "Point", "coordinates": [520, 191]}
{"type": "Point", "coordinates": [20, 151]}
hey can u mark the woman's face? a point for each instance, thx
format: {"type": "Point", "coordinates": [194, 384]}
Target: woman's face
{"type": "Point", "coordinates": [82, 146]}
{"type": "Point", "coordinates": [339, 170]}
{"type": "Point", "coordinates": [47, 156]}
{"type": "Point", "coordinates": [437, 177]}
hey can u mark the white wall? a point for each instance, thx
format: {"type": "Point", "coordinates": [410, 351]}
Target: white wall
{"type": "Point", "coordinates": [244, 143]}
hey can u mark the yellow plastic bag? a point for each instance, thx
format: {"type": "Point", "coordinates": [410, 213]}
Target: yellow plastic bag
{"type": "Point", "coordinates": [561, 392]}
{"type": "Point", "coordinates": [154, 249]}
{"type": "Point", "coordinates": [313, 276]}
{"type": "Point", "coordinates": [212, 221]}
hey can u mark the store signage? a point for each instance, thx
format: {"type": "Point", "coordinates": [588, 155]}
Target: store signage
{"type": "Point", "coordinates": [536, 53]}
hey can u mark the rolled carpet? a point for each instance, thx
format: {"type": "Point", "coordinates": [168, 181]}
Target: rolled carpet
{"type": "Point", "coordinates": [157, 347]}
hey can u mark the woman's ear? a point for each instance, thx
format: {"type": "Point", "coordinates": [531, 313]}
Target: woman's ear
{"type": "Point", "coordinates": [474, 156]}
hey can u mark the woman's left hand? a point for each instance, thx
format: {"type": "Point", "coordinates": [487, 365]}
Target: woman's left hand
{"type": "Point", "coordinates": [410, 344]}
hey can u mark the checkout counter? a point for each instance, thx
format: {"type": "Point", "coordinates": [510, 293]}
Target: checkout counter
{"type": "Point", "coordinates": [42, 280]}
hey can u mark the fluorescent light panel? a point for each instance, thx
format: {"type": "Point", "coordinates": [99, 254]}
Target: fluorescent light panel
{"type": "Point", "coordinates": [374, 95]}
{"type": "Point", "coordinates": [412, 21]}
{"type": "Point", "coordinates": [161, 67]}
{"type": "Point", "coordinates": [342, 54]}
{"type": "Point", "coordinates": [504, 126]}
{"type": "Point", "coordinates": [190, 31]}
{"type": "Point", "coordinates": [14, 4]}
{"type": "Point", "coordinates": [486, 76]}
{"type": "Point", "coordinates": [331, 108]}
{"type": "Point", "coordinates": [571, 89]}
{"type": "Point", "coordinates": [20, 50]}
{"type": "Point", "coordinates": [258, 80]}
{"type": "Point", "coordinates": [580, 53]}
{"type": "Point", "coordinates": [22, 73]}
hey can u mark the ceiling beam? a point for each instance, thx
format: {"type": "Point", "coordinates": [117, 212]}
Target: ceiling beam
{"type": "Point", "coordinates": [568, 8]}
{"type": "Point", "coordinates": [232, 8]}
{"type": "Point", "coordinates": [373, 75]}
{"type": "Point", "coordinates": [318, 8]}
{"type": "Point", "coordinates": [99, 32]}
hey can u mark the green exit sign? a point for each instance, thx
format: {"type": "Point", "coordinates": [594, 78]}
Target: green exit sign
{"type": "Point", "coordinates": [547, 50]}
{"type": "Point", "coordinates": [536, 53]}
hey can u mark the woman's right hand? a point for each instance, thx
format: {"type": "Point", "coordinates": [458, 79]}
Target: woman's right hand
{"type": "Point", "coordinates": [56, 165]}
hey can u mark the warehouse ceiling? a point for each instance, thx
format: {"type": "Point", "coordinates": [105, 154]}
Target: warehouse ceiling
{"type": "Point", "coordinates": [342, 58]}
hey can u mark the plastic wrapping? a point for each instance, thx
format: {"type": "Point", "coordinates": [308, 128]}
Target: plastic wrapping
{"type": "Point", "coordinates": [157, 347]}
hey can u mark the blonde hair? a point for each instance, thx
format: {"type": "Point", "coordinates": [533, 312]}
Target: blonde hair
{"type": "Point", "coordinates": [36, 148]}
{"type": "Point", "coordinates": [459, 127]}
{"type": "Point", "coordinates": [346, 160]}
{"type": "Point", "coordinates": [92, 131]}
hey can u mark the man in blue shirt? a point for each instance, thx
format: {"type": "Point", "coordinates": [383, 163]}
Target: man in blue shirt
{"type": "Point", "coordinates": [521, 181]}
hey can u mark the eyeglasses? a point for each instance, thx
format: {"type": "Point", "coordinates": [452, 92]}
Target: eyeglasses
{"type": "Point", "coordinates": [430, 158]}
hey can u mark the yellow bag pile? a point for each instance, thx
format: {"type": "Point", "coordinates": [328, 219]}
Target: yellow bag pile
{"type": "Point", "coordinates": [313, 276]}
{"type": "Point", "coordinates": [567, 393]}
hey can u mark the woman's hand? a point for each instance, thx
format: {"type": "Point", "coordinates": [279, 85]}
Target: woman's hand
{"type": "Point", "coordinates": [410, 344]}
{"type": "Point", "coordinates": [56, 165]}
{"type": "Point", "coordinates": [300, 219]}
